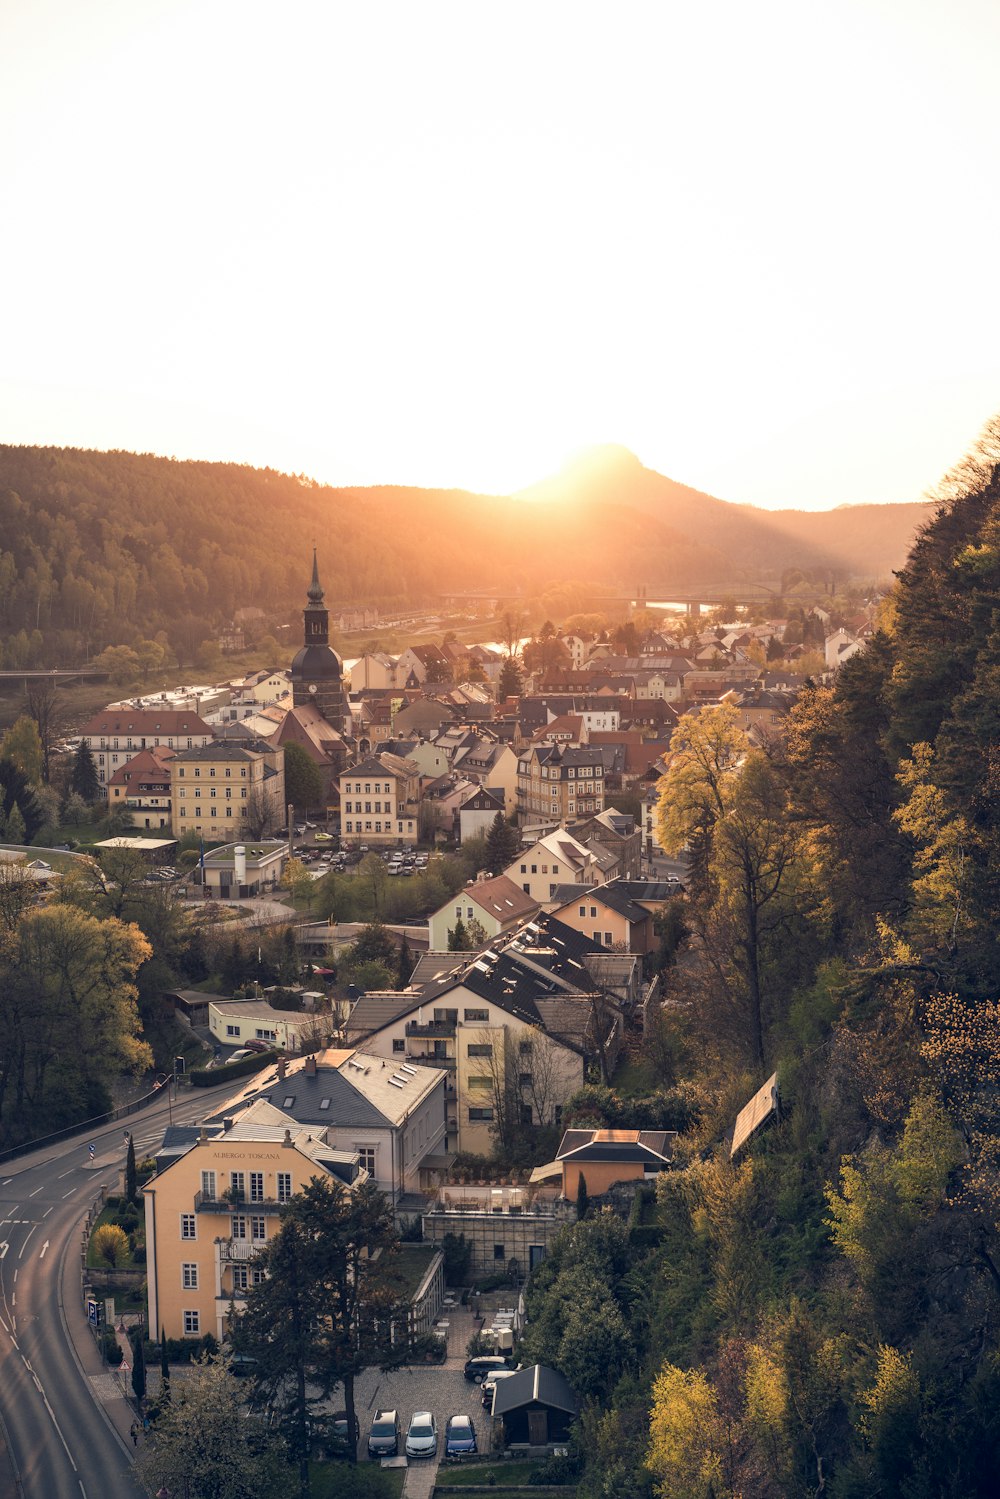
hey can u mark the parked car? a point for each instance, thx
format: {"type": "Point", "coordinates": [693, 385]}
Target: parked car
{"type": "Point", "coordinates": [459, 1436]}
{"type": "Point", "coordinates": [258, 1045]}
{"type": "Point", "coordinates": [477, 1368]}
{"type": "Point", "coordinates": [383, 1439]}
{"type": "Point", "coordinates": [490, 1383]}
{"type": "Point", "coordinates": [239, 1054]}
{"type": "Point", "coordinates": [422, 1435]}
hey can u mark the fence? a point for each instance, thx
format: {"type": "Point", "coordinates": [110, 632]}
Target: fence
{"type": "Point", "coordinates": [124, 1112]}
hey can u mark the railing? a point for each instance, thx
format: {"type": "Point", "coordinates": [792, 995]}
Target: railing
{"type": "Point", "coordinates": [124, 1112]}
{"type": "Point", "coordinates": [431, 1028]}
{"type": "Point", "coordinates": [238, 1251]}
{"type": "Point", "coordinates": [429, 1059]}
{"type": "Point", "coordinates": [220, 1202]}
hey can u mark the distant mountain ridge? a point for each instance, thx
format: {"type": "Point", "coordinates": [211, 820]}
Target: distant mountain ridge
{"type": "Point", "coordinates": [99, 548]}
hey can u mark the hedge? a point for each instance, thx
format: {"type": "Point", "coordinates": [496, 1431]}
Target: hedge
{"type": "Point", "coordinates": [211, 1075]}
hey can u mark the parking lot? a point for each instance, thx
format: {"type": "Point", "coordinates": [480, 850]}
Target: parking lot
{"type": "Point", "coordinates": [440, 1388]}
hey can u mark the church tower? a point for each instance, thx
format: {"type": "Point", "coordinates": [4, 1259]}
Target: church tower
{"type": "Point", "coordinates": [317, 670]}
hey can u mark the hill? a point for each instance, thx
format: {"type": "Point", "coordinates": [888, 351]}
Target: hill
{"type": "Point", "coordinates": [106, 548]}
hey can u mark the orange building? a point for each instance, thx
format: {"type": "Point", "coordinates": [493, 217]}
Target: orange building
{"type": "Point", "coordinates": [605, 1156]}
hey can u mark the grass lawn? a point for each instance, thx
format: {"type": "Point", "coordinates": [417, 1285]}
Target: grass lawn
{"type": "Point", "coordinates": [502, 1475]}
{"type": "Point", "coordinates": [363, 1481]}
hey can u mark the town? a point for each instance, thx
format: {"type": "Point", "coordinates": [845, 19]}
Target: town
{"type": "Point", "coordinates": [428, 907]}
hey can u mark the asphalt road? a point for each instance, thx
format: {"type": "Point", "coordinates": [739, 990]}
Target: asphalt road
{"type": "Point", "coordinates": [61, 1441]}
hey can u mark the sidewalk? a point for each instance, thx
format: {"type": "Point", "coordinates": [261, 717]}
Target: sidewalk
{"type": "Point", "coordinates": [110, 1388]}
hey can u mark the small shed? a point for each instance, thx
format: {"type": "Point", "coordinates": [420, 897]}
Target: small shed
{"type": "Point", "coordinates": [537, 1407]}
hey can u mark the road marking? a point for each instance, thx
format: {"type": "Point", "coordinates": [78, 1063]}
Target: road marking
{"type": "Point", "coordinates": [7, 1182]}
{"type": "Point", "coordinates": [65, 1173]}
{"type": "Point", "coordinates": [42, 1255]}
{"type": "Point", "coordinates": [3, 1249]}
{"type": "Point", "coordinates": [37, 1190]}
{"type": "Point", "coordinates": [24, 1246]}
{"type": "Point", "coordinates": [69, 1193]}
{"type": "Point", "coordinates": [47, 1212]}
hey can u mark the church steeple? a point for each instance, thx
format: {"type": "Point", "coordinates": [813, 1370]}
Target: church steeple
{"type": "Point", "coordinates": [317, 671]}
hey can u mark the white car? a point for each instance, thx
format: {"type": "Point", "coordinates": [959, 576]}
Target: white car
{"type": "Point", "coordinates": [421, 1435]}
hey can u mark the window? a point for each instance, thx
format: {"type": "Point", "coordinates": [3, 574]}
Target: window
{"type": "Point", "coordinates": [524, 870]}
{"type": "Point", "coordinates": [237, 1184]}
{"type": "Point", "coordinates": [555, 869]}
{"type": "Point", "coordinates": [192, 1324]}
{"type": "Point", "coordinates": [366, 1158]}
{"type": "Point", "coordinates": [525, 1048]}
{"type": "Point", "coordinates": [284, 1186]}
{"type": "Point", "coordinates": [239, 1230]}
{"type": "Point", "coordinates": [526, 1113]}
{"type": "Point", "coordinates": [234, 1030]}
{"type": "Point", "coordinates": [258, 1230]}
{"type": "Point", "coordinates": [239, 1277]}
{"type": "Point", "coordinates": [208, 1185]}
{"type": "Point", "coordinates": [257, 1275]}
{"type": "Point", "coordinates": [593, 911]}
{"type": "Point", "coordinates": [499, 1252]}
{"type": "Point", "coordinates": [477, 1015]}
{"type": "Point", "coordinates": [399, 1045]}
{"type": "Point", "coordinates": [480, 1082]}
{"type": "Point", "coordinates": [525, 1079]}
{"type": "Point", "coordinates": [189, 1226]}
{"type": "Point", "coordinates": [480, 1116]}
{"type": "Point", "coordinates": [526, 889]}
{"type": "Point", "coordinates": [608, 939]}
{"type": "Point", "coordinates": [534, 868]}
{"type": "Point", "coordinates": [256, 1186]}
{"type": "Point", "coordinates": [479, 1049]}
{"type": "Point", "coordinates": [583, 910]}
{"type": "Point", "coordinates": [189, 1277]}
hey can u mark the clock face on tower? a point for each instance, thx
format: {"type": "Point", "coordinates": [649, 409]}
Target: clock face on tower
{"type": "Point", "coordinates": [312, 686]}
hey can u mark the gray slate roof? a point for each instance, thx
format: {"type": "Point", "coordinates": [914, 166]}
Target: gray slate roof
{"type": "Point", "coordinates": [536, 1384]}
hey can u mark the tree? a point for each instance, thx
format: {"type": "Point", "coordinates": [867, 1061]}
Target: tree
{"type": "Point", "coordinates": [111, 884]}
{"type": "Point", "coordinates": [111, 1243]}
{"type": "Point", "coordinates": [582, 1198]}
{"type": "Point", "coordinates": [458, 938]}
{"type": "Point", "coordinates": [130, 1183]}
{"type": "Point", "coordinates": [139, 1365]}
{"type": "Point", "coordinates": [120, 662]}
{"type": "Point", "coordinates": [17, 790]}
{"type": "Point", "coordinates": [14, 831]}
{"type": "Point", "coordinates": [45, 706]}
{"type": "Point", "coordinates": [405, 969]}
{"type": "Point", "coordinates": [205, 1444]}
{"type": "Point", "coordinates": [503, 843]}
{"type": "Point", "coordinates": [303, 781]}
{"type": "Point", "coordinates": [23, 747]}
{"type": "Point", "coordinates": [297, 880]}
{"type": "Point", "coordinates": [83, 778]}
{"type": "Point", "coordinates": [687, 1437]}
{"type": "Point", "coordinates": [328, 1308]}
{"type": "Point", "coordinates": [510, 682]}
{"type": "Point", "coordinates": [164, 1370]}
{"type": "Point", "coordinates": [258, 812]}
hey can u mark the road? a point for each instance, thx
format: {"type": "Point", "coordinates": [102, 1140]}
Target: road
{"type": "Point", "coordinates": [62, 1444]}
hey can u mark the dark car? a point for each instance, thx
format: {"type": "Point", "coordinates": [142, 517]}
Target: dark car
{"type": "Point", "coordinates": [460, 1436]}
{"type": "Point", "coordinates": [256, 1045]}
{"type": "Point", "coordinates": [477, 1369]}
{"type": "Point", "coordinates": [383, 1439]}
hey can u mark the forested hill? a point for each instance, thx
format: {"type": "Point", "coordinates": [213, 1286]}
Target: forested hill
{"type": "Point", "coordinates": [100, 548]}
{"type": "Point", "coordinates": [821, 1315]}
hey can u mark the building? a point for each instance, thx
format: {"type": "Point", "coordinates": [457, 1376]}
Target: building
{"type": "Point", "coordinates": [619, 914]}
{"type": "Point", "coordinates": [553, 860]}
{"type": "Point", "coordinates": [236, 870]}
{"type": "Point", "coordinates": [379, 801]}
{"type": "Point", "coordinates": [508, 1229]}
{"type": "Point", "coordinates": [387, 1112]}
{"type": "Point", "coordinates": [605, 1156]}
{"type": "Point", "coordinates": [234, 1022]}
{"type": "Point", "coordinates": [498, 905]}
{"type": "Point", "coordinates": [215, 1201]}
{"type": "Point", "coordinates": [558, 783]}
{"type": "Point", "coordinates": [478, 811]}
{"type": "Point", "coordinates": [116, 734]}
{"type": "Point", "coordinates": [317, 671]}
{"type": "Point", "coordinates": [534, 1408]}
{"type": "Point", "coordinates": [228, 789]}
{"type": "Point", "coordinates": [141, 788]}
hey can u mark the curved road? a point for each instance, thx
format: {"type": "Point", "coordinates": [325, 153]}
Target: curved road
{"type": "Point", "coordinates": [62, 1443]}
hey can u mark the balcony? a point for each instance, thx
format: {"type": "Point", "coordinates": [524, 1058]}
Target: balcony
{"type": "Point", "coordinates": [430, 1059]}
{"type": "Point", "coordinates": [238, 1251]}
{"type": "Point", "coordinates": [224, 1203]}
{"type": "Point", "coordinates": [431, 1028]}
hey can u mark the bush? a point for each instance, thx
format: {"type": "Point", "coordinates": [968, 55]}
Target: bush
{"type": "Point", "coordinates": [246, 1065]}
{"type": "Point", "coordinates": [111, 1348]}
{"type": "Point", "coordinates": [110, 1243]}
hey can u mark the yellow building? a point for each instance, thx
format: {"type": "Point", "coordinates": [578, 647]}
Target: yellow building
{"type": "Point", "coordinates": [228, 790]}
{"type": "Point", "coordinates": [213, 1204]}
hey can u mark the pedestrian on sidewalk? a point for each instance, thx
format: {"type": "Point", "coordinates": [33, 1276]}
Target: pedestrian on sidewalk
{"type": "Point", "coordinates": [134, 1434]}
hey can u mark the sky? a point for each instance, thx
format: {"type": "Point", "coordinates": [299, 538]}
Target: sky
{"type": "Point", "coordinates": [452, 244]}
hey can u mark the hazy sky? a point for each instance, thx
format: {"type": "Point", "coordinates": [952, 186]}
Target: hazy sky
{"type": "Point", "coordinates": [453, 243]}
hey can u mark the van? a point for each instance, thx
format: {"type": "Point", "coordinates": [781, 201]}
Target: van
{"type": "Point", "coordinates": [477, 1368]}
{"type": "Point", "coordinates": [383, 1439]}
{"type": "Point", "coordinates": [490, 1383]}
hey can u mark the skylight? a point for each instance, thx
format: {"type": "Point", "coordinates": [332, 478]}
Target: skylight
{"type": "Point", "coordinates": [287, 1102]}
{"type": "Point", "coordinates": [324, 1103]}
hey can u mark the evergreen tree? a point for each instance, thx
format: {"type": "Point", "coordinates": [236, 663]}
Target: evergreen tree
{"type": "Point", "coordinates": [164, 1369]}
{"type": "Point", "coordinates": [16, 789]}
{"type": "Point", "coordinates": [582, 1198]}
{"type": "Point", "coordinates": [510, 681]}
{"type": "Point", "coordinates": [83, 777]}
{"type": "Point", "coordinates": [502, 844]}
{"type": "Point", "coordinates": [139, 1365]}
{"type": "Point", "coordinates": [130, 1184]}
{"type": "Point", "coordinates": [405, 965]}
{"type": "Point", "coordinates": [458, 937]}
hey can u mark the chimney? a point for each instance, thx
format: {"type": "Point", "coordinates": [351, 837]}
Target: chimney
{"type": "Point", "coordinates": [202, 1135]}
{"type": "Point", "coordinates": [282, 1069]}
{"type": "Point", "coordinates": [310, 1067]}
{"type": "Point", "coordinates": [227, 1123]}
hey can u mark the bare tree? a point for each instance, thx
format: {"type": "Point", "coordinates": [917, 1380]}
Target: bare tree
{"type": "Point", "coordinates": [43, 703]}
{"type": "Point", "coordinates": [258, 814]}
